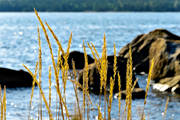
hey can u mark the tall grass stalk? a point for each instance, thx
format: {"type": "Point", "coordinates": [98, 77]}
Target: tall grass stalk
{"type": "Point", "coordinates": [165, 111]}
{"type": "Point", "coordinates": [55, 37]}
{"type": "Point", "coordinates": [42, 93]}
{"type": "Point", "coordinates": [147, 87]}
{"type": "Point", "coordinates": [127, 110]}
{"type": "Point", "coordinates": [95, 50]}
{"type": "Point", "coordinates": [32, 91]}
{"type": "Point", "coordinates": [103, 74]}
{"type": "Point", "coordinates": [100, 117]}
{"type": "Point", "coordinates": [97, 62]}
{"type": "Point", "coordinates": [66, 66]}
{"type": "Point", "coordinates": [135, 82]}
{"type": "Point", "coordinates": [95, 58]}
{"type": "Point", "coordinates": [76, 92]}
{"type": "Point", "coordinates": [40, 72]}
{"type": "Point", "coordinates": [50, 83]}
{"type": "Point", "coordinates": [4, 103]}
{"type": "Point", "coordinates": [149, 79]}
{"type": "Point", "coordinates": [115, 62]}
{"type": "Point", "coordinates": [110, 98]}
{"type": "Point", "coordinates": [54, 66]}
{"type": "Point", "coordinates": [0, 94]}
{"type": "Point", "coordinates": [2, 109]}
{"type": "Point", "coordinates": [119, 94]}
{"type": "Point", "coordinates": [85, 83]}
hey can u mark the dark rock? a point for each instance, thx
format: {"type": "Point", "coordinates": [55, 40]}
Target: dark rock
{"type": "Point", "coordinates": [170, 84]}
{"type": "Point", "coordinates": [164, 47]}
{"type": "Point", "coordinates": [176, 89]}
{"type": "Point", "coordinates": [167, 63]}
{"type": "Point", "coordinates": [78, 58]}
{"type": "Point", "coordinates": [94, 76]}
{"type": "Point", "coordinates": [141, 45]}
{"type": "Point", "coordinates": [12, 78]}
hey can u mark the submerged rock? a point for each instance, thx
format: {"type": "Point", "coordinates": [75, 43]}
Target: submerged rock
{"type": "Point", "coordinates": [13, 78]}
{"type": "Point", "coordinates": [164, 47]}
{"type": "Point", "coordinates": [137, 93]}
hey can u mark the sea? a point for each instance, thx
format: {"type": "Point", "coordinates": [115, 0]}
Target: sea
{"type": "Point", "coordinates": [19, 45]}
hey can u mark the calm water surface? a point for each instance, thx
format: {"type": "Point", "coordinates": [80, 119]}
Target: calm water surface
{"type": "Point", "coordinates": [19, 45]}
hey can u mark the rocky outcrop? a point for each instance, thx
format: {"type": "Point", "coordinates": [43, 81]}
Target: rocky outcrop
{"type": "Point", "coordinates": [94, 76]}
{"type": "Point", "coordinates": [141, 46]}
{"type": "Point", "coordinates": [164, 47]}
{"type": "Point", "coordinates": [170, 84]}
{"type": "Point", "coordinates": [79, 60]}
{"type": "Point", "coordinates": [12, 78]}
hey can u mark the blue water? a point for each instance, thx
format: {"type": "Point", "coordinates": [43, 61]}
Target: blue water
{"type": "Point", "coordinates": [19, 45]}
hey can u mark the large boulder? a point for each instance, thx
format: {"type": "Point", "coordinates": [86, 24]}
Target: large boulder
{"type": "Point", "coordinates": [164, 47]}
{"type": "Point", "coordinates": [94, 76]}
{"type": "Point", "coordinates": [141, 45]}
{"type": "Point", "coordinates": [166, 55]}
{"type": "Point", "coordinates": [13, 78]}
{"type": "Point", "coordinates": [79, 60]}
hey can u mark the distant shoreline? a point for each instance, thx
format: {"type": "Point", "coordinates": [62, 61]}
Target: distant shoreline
{"type": "Point", "coordinates": [94, 11]}
{"type": "Point", "coordinates": [90, 6]}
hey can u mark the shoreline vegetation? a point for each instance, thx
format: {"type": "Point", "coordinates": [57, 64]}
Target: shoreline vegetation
{"type": "Point", "coordinates": [89, 6]}
{"type": "Point", "coordinates": [63, 67]}
{"type": "Point", "coordinates": [83, 109]}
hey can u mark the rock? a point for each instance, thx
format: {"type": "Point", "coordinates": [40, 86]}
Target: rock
{"type": "Point", "coordinates": [141, 45]}
{"type": "Point", "coordinates": [164, 47]}
{"type": "Point", "coordinates": [79, 59]}
{"type": "Point", "coordinates": [13, 78]}
{"type": "Point", "coordinates": [94, 76]}
{"type": "Point", "coordinates": [137, 93]}
{"type": "Point", "coordinates": [176, 89]}
{"type": "Point", "coordinates": [170, 84]}
{"type": "Point", "coordinates": [166, 59]}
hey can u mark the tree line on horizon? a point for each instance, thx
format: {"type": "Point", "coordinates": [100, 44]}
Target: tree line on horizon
{"type": "Point", "coordinates": [89, 5]}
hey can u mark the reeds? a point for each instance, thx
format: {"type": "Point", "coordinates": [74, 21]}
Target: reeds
{"type": "Point", "coordinates": [119, 94]}
{"type": "Point", "coordinates": [3, 103]}
{"type": "Point", "coordinates": [147, 87]}
{"type": "Point", "coordinates": [61, 101]}
{"type": "Point", "coordinates": [166, 106]}
{"type": "Point", "coordinates": [110, 97]}
{"type": "Point", "coordinates": [50, 83]}
{"type": "Point", "coordinates": [40, 72]}
{"type": "Point", "coordinates": [75, 90]}
{"type": "Point", "coordinates": [63, 67]}
{"type": "Point", "coordinates": [127, 109]}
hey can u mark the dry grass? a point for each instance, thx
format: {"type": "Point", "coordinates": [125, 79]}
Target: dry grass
{"type": "Point", "coordinates": [119, 94]}
{"type": "Point", "coordinates": [165, 111]}
{"type": "Point", "coordinates": [42, 93]}
{"type": "Point", "coordinates": [99, 113]}
{"type": "Point", "coordinates": [110, 98]}
{"type": "Point", "coordinates": [63, 67]}
{"type": "Point", "coordinates": [50, 84]}
{"type": "Point", "coordinates": [3, 103]}
{"type": "Point", "coordinates": [147, 87]}
{"type": "Point", "coordinates": [76, 92]}
{"type": "Point", "coordinates": [127, 110]}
